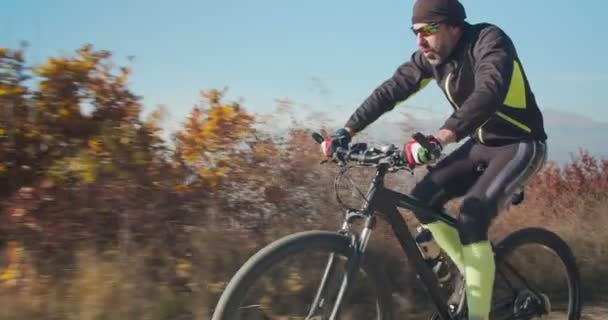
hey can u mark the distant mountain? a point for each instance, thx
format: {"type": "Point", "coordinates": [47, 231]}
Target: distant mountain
{"type": "Point", "coordinates": [568, 132]}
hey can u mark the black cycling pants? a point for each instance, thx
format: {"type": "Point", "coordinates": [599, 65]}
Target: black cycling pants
{"type": "Point", "coordinates": [486, 176]}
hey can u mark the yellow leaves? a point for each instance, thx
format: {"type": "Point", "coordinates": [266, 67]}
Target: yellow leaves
{"type": "Point", "coordinates": [95, 146]}
{"type": "Point", "coordinates": [8, 274]}
{"type": "Point", "coordinates": [181, 188]}
{"type": "Point", "coordinates": [32, 133]}
{"type": "Point", "coordinates": [83, 167]}
{"type": "Point", "coordinates": [11, 55]}
{"type": "Point", "coordinates": [216, 287]}
{"type": "Point", "coordinates": [152, 124]}
{"type": "Point", "coordinates": [262, 150]}
{"type": "Point", "coordinates": [50, 67]}
{"type": "Point", "coordinates": [211, 175]}
{"type": "Point", "coordinates": [122, 77]}
{"type": "Point", "coordinates": [43, 85]}
{"type": "Point", "coordinates": [294, 282]}
{"type": "Point", "coordinates": [83, 86]}
{"type": "Point", "coordinates": [213, 96]}
{"type": "Point", "coordinates": [12, 252]}
{"type": "Point", "coordinates": [189, 155]}
{"type": "Point", "coordinates": [64, 112]}
{"type": "Point", "coordinates": [211, 137]}
{"type": "Point", "coordinates": [183, 268]}
{"type": "Point", "coordinates": [86, 169]}
{"type": "Point", "coordinates": [266, 302]}
{"type": "Point", "coordinates": [18, 212]}
{"type": "Point", "coordinates": [156, 116]}
{"type": "Point", "coordinates": [11, 90]}
{"type": "Point", "coordinates": [223, 125]}
{"type": "Point", "coordinates": [54, 67]}
{"type": "Point", "coordinates": [125, 140]}
{"type": "Point", "coordinates": [9, 269]}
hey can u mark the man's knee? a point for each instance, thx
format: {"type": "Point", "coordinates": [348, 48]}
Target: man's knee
{"type": "Point", "coordinates": [430, 195]}
{"type": "Point", "coordinates": [474, 220]}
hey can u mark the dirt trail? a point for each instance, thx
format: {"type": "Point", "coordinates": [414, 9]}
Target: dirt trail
{"type": "Point", "coordinates": [590, 312]}
{"type": "Point", "coordinates": [598, 311]}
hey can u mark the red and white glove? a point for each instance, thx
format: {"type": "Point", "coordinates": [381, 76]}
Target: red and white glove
{"type": "Point", "coordinates": [416, 155]}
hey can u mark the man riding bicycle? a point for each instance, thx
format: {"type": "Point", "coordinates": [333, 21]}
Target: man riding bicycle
{"type": "Point", "coordinates": [477, 67]}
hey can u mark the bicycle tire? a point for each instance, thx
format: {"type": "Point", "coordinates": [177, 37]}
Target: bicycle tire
{"type": "Point", "coordinates": [280, 250]}
{"type": "Point", "coordinates": [559, 247]}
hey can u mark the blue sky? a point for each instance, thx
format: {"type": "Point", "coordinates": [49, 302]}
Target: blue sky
{"type": "Point", "coordinates": [324, 54]}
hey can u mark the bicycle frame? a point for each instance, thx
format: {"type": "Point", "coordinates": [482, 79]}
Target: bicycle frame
{"type": "Point", "coordinates": [387, 201]}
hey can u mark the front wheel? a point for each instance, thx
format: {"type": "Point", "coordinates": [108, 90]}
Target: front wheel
{"type": "Point", "coordinates": [300, 276]}
{"type": "Point", "coordinates": [536, 278]}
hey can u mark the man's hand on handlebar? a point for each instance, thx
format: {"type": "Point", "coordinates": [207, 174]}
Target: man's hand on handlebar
{"type": "Point", "coordinates": [340, 139]}
{"type": "Point", "coordinates": [421, 150]}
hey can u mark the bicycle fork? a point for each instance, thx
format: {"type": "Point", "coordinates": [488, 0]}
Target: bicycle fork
{"type": "Point", "coordinates": [358, 246]}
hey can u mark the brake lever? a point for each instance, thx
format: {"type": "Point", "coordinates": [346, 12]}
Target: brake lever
{"type": "Point", "coordinates": [422, 140]}
{"type": "Point", "coordinates": [425, 143]}
{"type": "Point", "coordinates": [318, 137]}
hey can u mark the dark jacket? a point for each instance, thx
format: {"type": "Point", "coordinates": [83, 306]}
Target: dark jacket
{"type": "Point", "coordinates": [484, 81]}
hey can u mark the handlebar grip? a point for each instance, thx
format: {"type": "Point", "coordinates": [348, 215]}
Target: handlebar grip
{"type": "Point", "coordinates": [355, 157]}
{"type": "Point", "coordinates": [318, 137]}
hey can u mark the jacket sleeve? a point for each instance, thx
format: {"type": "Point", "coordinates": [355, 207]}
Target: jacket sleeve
{"type": "Point", "coordinates": [406, 80]}
{"type": "Point", "coordinates": [493, 54]}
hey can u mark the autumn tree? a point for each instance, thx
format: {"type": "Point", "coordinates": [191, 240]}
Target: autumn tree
{"type": "Point", "coordinates": [77, 162]}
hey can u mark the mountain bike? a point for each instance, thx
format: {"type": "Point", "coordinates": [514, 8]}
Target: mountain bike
{"type": "Point", "coordinates": [315, 275]}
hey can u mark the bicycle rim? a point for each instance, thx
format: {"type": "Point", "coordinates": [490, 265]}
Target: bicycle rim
{"type": "Point", "coordinates": [285, 281]}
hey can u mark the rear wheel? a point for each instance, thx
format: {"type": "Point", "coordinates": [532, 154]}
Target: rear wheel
{"type": "Point", "coordinates": [285, 281]}
{"type": "Point", "coordinates": [536, 278]}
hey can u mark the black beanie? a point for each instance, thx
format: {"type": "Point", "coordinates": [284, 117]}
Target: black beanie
{"type": "Point", "coordinates": [429, 11]}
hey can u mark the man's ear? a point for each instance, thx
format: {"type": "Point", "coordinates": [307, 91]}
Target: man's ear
{"type": "Point", "coordinates": [454, 29]}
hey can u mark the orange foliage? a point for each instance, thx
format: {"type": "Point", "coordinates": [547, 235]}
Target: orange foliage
{"type": "Point", "coordinates": [209, 142]}
{"type": "Point", "coordinates": [47, 124]}
{"type": "Point", "coordinates": [583, 179]}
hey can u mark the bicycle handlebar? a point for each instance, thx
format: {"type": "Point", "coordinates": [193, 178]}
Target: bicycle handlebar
{"type": "Point", "coordinates": [389, 154]}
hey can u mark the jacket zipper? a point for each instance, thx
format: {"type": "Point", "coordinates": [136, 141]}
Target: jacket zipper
{"type": "Point", "coordinates": [446, 86]}
{"type": "Point", "coordinates": [480, 132]}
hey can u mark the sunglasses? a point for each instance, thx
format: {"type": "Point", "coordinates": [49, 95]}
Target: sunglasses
{"type": "Point", "coordinates": [426, 30]}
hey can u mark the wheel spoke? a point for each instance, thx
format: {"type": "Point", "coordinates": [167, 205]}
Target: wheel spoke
{"type": "Point", "coordinates": [306, 278]}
